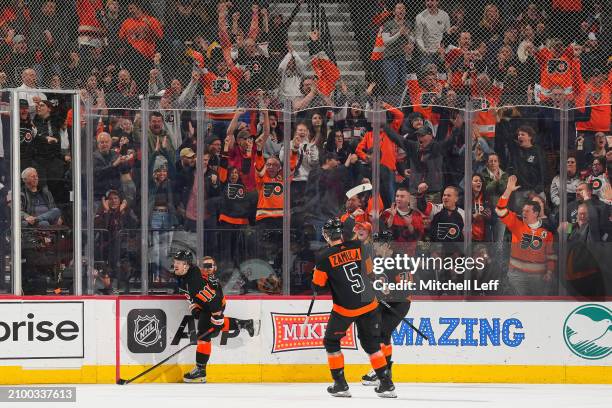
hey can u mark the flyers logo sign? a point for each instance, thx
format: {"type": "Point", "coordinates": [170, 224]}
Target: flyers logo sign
{"type": "Point", "coordinates": [271, 189]}
{"type": "Point", "coordinates": [448, 230]}
{"type": "Point", "coordinates": [291, 334]}
{"type": "Point", "coordinates": [531, 242]}
{"type": "Point", "coordinates": [235, 191]}
{"type": "Point", "coordinates": [556, 66]}
{"type": "Point", "coordinates": [221, 85]}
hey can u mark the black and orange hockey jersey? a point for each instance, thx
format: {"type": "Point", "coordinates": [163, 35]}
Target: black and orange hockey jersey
{"type": "Point", "coordinates": [235, 203]}
{"type": "Point", "coordinates": [344, 270]}
{"type": "Point", "coordinates": [532, 246]}
{"type": "Point", "coordinates": [203, 292]}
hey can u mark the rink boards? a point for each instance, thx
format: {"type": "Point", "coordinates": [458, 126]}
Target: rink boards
{"type": "Point", "coordinates": [96, 340]}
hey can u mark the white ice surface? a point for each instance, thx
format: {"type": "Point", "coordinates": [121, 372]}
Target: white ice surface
{"type": "Point", "coordinates": [410, 395]}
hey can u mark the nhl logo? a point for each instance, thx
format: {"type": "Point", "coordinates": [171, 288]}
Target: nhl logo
{"type": "Point", "coordinates": [146, 330]}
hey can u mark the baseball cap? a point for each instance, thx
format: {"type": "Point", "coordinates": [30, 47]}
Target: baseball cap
{"type": "Point", "coordinates": [425, 130]}
{"type": "Point", "coordinates": [363, 225]}
{"type": "Point", "coordinates": [187, 152]}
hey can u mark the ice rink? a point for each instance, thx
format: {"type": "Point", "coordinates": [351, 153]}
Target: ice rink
{"type": "Point", "coordinates": [410, 395]}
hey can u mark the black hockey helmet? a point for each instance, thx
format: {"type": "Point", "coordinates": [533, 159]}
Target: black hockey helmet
{"type": "Point", "coordinates": [333, 224]}
{"type": "Point", "coordinates": [332, 229]}
{"type": "Point", "coordinates": [184, 255]}
{"type": "Point", "coordinates": [383, 236]}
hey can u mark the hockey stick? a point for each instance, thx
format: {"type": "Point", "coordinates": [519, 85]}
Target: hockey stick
{"type": "Point", "coordinates": [121, 381]}
{"type": "Point", "coordinates": [388, 306]}
{"type": "Point", "coordinates": [314, 295]}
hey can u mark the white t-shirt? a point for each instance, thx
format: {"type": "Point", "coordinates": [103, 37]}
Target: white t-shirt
{"type": "Point", "coordinates": [29, 96]}
{"type": "Point", "coordinates": [430, 29]}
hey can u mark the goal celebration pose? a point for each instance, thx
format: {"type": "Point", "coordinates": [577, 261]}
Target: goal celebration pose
{"type": "Point", "coordinates": [206, 303]}
{"type": "Point", "coordinates": [340, 267]}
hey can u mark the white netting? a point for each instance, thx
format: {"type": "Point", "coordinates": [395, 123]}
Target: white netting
{"type": "Point", "coordinates": [125, 49]}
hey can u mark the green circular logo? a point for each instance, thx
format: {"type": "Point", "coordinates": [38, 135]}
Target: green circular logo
{"type": "Point", "coordinates": [587, 331]}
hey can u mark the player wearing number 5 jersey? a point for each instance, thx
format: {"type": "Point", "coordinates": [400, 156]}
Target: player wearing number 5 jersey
{"type": "Point", "coordinates": [340, 267]}
{"type": "Point", "coordinates": [206, 303]}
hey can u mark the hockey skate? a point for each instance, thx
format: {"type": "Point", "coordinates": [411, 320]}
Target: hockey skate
{"type": "Point", "coordinates": [370, 378]}
{"type": "Point", "coordinates": [339, 389]}
{"type": "Point", "coordinates": [197, 375]}
{"type": "Point", "coordinates": [386, 389]}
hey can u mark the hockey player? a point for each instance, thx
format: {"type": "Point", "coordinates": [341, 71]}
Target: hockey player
{"type": "Point", "coordinates": [340, 267]}
{"type": "Point", "coordinates": [206, 303]}
{"type": "Point", "coordinates": [398, 300]}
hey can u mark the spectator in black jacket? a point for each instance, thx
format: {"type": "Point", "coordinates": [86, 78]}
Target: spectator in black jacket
{"type": "Point", "coordinates": [583, 276]}
{"type": "Point", "coordinates": [426, 157]}
{"type": "Point", "coordinates": [325, 190]}
{"type": "Point", "coordinates": [185, 173]}
{"type": "Point", "coordinates": [106, 167]}
{"type": "Point", "coordinates": [598, 211]}
{"type": "Point", "coordinates": [528, 163]}
{"type": "Point", "coordinates": [47, 149]}
{"type": "Point", "coordinates": [113, 221]}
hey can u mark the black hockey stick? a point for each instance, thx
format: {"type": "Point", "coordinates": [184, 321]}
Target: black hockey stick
{"type": "Point", "coordinates": [314, 295]}
{"type": "Point", "coordinates": [121, 381]}
{"type": "Point", "coordinates": [388, 306]}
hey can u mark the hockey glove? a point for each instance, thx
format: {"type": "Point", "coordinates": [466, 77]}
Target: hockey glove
{"type": "Point", "coordinates": [195, 310]}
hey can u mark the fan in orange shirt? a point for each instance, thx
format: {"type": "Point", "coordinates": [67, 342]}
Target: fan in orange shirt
{"type": "Point", "coordinates": [532, 256]}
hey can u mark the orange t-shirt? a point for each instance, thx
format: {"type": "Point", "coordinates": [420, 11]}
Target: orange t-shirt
{"type": "Point", "coordinates": [221, 93]}
{"type": "Point", "coordinates": [600, 109]}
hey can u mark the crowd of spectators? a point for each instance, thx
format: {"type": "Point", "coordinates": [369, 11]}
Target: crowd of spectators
{"type": "Point", "coordinates": [516, 62]}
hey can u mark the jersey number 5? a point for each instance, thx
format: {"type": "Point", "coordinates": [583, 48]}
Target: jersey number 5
{"type": "Point", "coordinates": [352, 274]}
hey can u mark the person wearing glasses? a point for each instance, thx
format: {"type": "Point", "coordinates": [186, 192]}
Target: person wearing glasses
{"type": "Point", "coordinates": [573, 179]}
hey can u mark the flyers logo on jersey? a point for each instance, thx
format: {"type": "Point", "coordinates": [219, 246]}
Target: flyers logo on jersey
{"type": "Point", "coordinates": [235, 191]}
{"type": "Point", "coordinates": [271, 189]}
{"type": "Point", "coordinates": [531, 242]}
{"type": "Point", "coordinates": [556, 66]}
{"type": "Point", "coordinates": [290, 332]}
{"type": "Point", "coordinates": [447, 230]}
{"type": "Point", "coordinates": [429, 98]}
{"type": "Point", "coordinates": [221, 85]}
{"type": "Point", "coordinates": [481, 103]}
